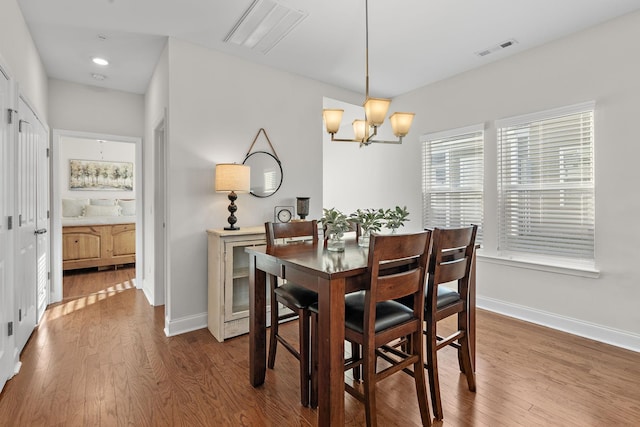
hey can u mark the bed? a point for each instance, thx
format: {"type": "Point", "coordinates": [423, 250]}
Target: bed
{"type": "Point", "coordinates": [98, 233]}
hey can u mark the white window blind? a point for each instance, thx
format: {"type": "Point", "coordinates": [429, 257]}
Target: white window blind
{"type": "Point", "coordinates": [545, 183]}
{"type": "Point", "coordinates": [453, 173]}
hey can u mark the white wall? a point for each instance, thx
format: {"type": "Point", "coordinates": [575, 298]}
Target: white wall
{"type": "Point", "coordinates": [85, 108]}
{"type": "Point", "coordinates": [91, 149]}
{"type": "Point", "coordinates": [598, 64]}
{"type": "Point", "coordinates": [217, 105]}
{"type": "Point", "coordinates": [21, 59]}
{"type": "Point", "coordinates": [156, 105]}
{"type": "Point", "coordinates": [19, 54]}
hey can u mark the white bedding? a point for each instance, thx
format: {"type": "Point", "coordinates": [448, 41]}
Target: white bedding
{"type": "Point", "coordinates": [98, 220]}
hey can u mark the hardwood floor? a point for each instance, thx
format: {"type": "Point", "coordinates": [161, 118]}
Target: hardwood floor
{"type": "Point", "coordinates": [102, 359]}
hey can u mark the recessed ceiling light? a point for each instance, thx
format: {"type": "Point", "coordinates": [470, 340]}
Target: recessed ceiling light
{"type": "Point", "coordinates": [100, 61]}
{"type": "Point", "coordinates": [98, 76]}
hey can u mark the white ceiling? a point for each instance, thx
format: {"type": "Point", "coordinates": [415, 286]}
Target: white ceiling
{"type": "Point", "coordinates": [411, 42]}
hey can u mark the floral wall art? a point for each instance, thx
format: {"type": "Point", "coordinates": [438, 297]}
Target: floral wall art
{"type": "Point", "coordinates": [100, 175]}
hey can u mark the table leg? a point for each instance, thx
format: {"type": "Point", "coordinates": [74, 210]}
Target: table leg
{"type": "Point", "coordinates": [257, 323]}
{"type": "Point", "coordinates": [331, 352]}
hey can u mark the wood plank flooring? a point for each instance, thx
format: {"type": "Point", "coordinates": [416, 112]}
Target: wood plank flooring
{"type": "Point", "coordinates": [101, 358]}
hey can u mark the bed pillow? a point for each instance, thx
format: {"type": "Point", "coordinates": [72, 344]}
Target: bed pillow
{"type": "Point", "coordinates": [102, 202]}
{"type": "Point", "coordinates": [73, 207]}
{"type": "Point", "coordinates": [93, 210]}
{"type": "Point", "coordinates": [128, 207]}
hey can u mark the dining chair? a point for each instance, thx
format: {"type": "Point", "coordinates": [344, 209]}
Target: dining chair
{"type": "Point", "coordinates": [450, 262]}
{"type": "Point", "coordinates": [373, 319]}
{"type": "Point", "coordinates": [295, 298]}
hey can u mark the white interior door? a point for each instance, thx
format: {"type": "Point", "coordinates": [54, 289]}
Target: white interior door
{"type": "Point", "coordinates": [43, 246]}
{"type": "Point", "coordinates": [6, 234]}
{"type": "Point", "coordinates": [26, 254]}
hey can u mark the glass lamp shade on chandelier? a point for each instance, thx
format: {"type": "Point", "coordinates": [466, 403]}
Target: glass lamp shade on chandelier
{"type": "Point", "coordinates": [232, 178]}
{"type": "Point", "coordinates": [375, 110]}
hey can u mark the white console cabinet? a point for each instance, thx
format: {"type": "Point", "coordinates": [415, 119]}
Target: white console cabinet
{"type": "Point", "coordinates": [228, 264]}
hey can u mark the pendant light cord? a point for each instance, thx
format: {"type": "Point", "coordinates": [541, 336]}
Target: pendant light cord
{"type": "Point", "coordinates": [366, 54]}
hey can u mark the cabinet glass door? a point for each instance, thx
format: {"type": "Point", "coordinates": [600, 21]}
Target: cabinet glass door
{"type": "Point", "coordinates": [236, 293]}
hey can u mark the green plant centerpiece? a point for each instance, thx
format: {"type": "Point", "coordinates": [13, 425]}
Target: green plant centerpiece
{"type": "Point", "coordinates": [335, 224]}
{"type": "Point", "coordinates": [369, 220]}
{"type": "Point", "coordinates": [395, 218]}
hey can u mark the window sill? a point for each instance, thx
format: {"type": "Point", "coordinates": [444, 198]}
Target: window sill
{"type": "Point", "coordinates": [572, 270]}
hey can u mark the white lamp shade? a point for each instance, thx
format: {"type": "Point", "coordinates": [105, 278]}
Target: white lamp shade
{"type": "Point", "coordinates": [332, 119]}
{"type": "Point", "coordinates": [233, 177]}
{"type": "Point", "coordinates": [401, 123]}
{"type": "Point", "coordinates": [360, 130]}
{"type": "Point", "coordinates": [375, 109]}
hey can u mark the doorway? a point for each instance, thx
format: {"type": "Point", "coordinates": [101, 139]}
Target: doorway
{"type": "Point", "coordinates": [118, 198]}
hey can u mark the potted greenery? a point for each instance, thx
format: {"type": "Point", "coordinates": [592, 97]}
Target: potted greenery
{"type": "Point", "coordinates": [335, 224]}
{"type": "Point", "coordinates": [395, 218]}
{"type": "Point", "coordinates": [369, 220]}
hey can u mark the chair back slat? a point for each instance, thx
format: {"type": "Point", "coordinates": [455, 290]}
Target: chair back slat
{"type": "Point", "coordinates": [456, 237]}
{"type": "Point", "coordinates": [286, 230]}
{"type": "Point", "coordinates": [398, 285]}
{"type": "Point", "coordinates": [452, 270]}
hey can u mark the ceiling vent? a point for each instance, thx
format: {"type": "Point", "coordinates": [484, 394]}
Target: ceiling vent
{"type": "Point", "coordinates": [505, 44]}
{"type": "Point", "coordinates": [263, 25]}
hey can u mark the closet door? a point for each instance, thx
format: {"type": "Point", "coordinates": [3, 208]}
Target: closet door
{"type": "Point", "coordinates": [26, 200]}
{"type": "Point", "coordinates": [6, 234]}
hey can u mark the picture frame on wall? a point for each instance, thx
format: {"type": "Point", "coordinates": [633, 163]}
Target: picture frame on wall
{"type": "Point", "coordinates": [100, 175]}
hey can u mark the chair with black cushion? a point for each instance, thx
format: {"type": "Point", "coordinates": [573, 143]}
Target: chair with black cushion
{"type": "Point", "coordinates": [295, 298]}
{"type": "Point", "coordinates": [373, 319]}
{"type": "Point", "coordinates": [451, 259]}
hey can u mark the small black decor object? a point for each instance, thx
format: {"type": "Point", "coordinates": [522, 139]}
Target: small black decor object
{"type": "Point", "coordinates": [302, 206]}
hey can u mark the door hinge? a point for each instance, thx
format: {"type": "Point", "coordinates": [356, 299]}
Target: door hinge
{"type": "Point", "coordinates": [47, 152]}
{"type": "Point", "coordinates": [20, 125]}
{"type": "Point", "coordinates": [47, 214]}
{"type": "Point", "coordinates": [20, 315]}
{"type": "Point", "coordinates": [11, 111]}
{"type": "Point", "coordinates": [20, 220]}
{"type": "Point", "coordinates": [10, 223]}
{"type": "Point", "coordinates": [10, 329]}
{"type": "Point", "coordinates": [48, 275]}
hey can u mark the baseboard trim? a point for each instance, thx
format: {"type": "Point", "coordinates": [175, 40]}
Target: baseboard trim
{"type": "Point", "coordinates": [147, 292]}
{"type": "Point", "coordinates": [185, 324]}
{"type": "Point", "coordinates": [592, 331]}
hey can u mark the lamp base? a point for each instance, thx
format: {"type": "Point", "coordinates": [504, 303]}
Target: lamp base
{"type": "Point", "coordinates": [232, 210]}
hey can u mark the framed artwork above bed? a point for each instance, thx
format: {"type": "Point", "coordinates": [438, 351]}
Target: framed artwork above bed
{"type": "Point", "coordinates": [100, 175]}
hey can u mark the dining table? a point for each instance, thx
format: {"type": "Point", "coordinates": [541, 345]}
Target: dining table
{"type": "Point", "coordinates": [332, 275]}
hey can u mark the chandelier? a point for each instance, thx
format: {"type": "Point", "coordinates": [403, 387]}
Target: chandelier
{"type": "Point", "coordinates": [375, 110]}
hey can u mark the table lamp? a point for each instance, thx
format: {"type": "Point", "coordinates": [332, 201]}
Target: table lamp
{"type": "Point", "coordinates": [232, 178]}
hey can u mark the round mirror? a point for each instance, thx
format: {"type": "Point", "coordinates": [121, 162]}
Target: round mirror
{"type": "Point", "coordinates": [266, 173]}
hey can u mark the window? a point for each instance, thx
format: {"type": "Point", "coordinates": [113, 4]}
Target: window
{"type": "Point", "coordinates": [452, 175]}
{"type": "Point", "coordinates": [545, 183]}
